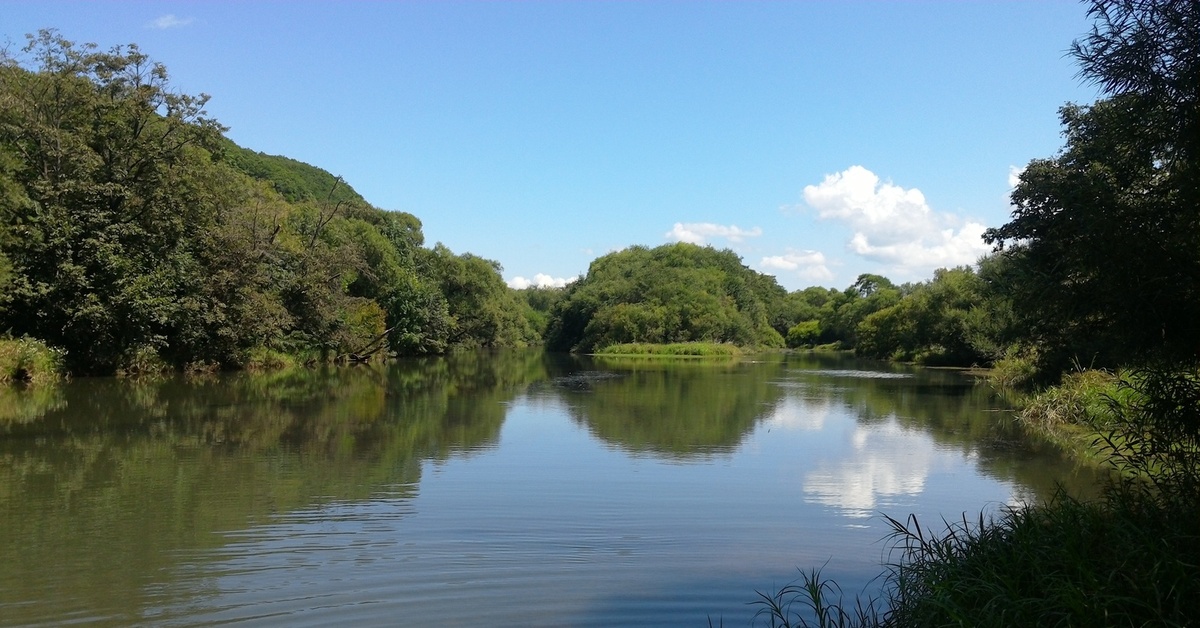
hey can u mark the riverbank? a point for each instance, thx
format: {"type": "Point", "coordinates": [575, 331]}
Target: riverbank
{"type": "Point", "coordinates": [673, 350]}
{"type": "Point", "coordinates": [1131, 557]}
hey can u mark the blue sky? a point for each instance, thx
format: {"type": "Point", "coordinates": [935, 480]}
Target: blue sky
{"type": "Point", "coordinates": [819, 140]}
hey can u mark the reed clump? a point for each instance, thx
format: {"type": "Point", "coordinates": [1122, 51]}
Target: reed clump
{"type": "Point", "coordinates": [1130, 559]}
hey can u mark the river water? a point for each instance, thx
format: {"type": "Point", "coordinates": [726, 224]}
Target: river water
{"type": "Point", "coordinates": [507, 489]}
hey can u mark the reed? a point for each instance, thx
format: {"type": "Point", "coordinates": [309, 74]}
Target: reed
{"type": "Point", "coordinates": [1130, 559]}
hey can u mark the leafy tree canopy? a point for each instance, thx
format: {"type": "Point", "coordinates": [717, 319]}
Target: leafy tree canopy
{"type": "Point", "coordinates": [134, 236]}
{"type": "Point", "coordinates": [1105, 236]}
{"type": "Point", "coordinates": [673, 293]}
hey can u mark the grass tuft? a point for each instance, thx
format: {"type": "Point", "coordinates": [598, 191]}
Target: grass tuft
{"type": "Point", "coordinates": [29, 361]}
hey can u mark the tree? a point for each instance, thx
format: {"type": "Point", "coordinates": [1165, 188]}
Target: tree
{"type": "Point", "coordinates": [1106, 236]}
{"type": "Point", "coordinates": [1147, 50]}
{"type": "Point", "coordinates": [672, 293]}
{"type": "Point", "coordinates": [483, 311]}
{"type": "Point", "coordinates": [107, 157]}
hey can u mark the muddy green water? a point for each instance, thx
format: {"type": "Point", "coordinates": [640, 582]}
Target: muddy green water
{"type": "Point", "coordinates": [507, 490]}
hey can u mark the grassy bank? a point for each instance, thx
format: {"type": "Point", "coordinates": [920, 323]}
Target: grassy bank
{"type": "Point", "coordinates": [25, 360]}
{"type": "Point", "coordinates": [675, 350]}
{"type": "Point", "coordinates": [1130, 559]}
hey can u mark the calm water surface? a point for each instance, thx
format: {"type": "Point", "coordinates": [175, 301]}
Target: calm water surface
{"type": "Point", "coordinates": [514, 489]}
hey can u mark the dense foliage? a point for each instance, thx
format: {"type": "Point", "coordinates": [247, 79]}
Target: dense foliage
{"type": "Point", "coordinates": [1107, 234]}
{"type": "Point", "coordinates": [133, 235]}
{"type": "Point", "coordinates": [673, 293]}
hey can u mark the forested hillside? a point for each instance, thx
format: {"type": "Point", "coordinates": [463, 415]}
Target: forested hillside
{"type": "Point", "coordinates": [134, 235]}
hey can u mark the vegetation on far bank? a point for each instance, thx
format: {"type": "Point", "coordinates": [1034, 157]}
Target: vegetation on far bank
{"type": "Point", "coordinates": [24, 360]}
{"type": "Point", "coordinates": [674, 350]}
{"type": "Point", "coordinates": [135, 237]}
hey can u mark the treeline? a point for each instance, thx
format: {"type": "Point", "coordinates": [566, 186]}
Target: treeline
{"type": "Point", "coordinates": [688, 293]}
{"type": "Point", "coordinates": [134, 235]}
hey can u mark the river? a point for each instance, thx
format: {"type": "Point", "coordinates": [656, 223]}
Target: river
{"type": "Point", "coordinates": [509, 489]}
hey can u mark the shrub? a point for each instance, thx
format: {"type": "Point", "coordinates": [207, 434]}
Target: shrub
{"type": "Point", "coordinates": [804, 333]}
{"type": "Point", "coordinates": [29, 360]}
{"type": "Point", "coordinates": [1016, 369]}
{"type": "Point", "coordinates": [1083, 399]}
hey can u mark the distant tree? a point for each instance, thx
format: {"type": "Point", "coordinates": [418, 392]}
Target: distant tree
{"type": "Point", "coordinates": [483, 311]}
{"type": "Point", "coordinates": [932, 324]}
{"type": "Point", "coordinates": [672, 293]}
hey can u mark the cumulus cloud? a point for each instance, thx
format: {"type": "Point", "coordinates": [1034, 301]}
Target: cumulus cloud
{"type": "Point", "coordinates": [808, 265]}
{"type": "Point", "coordinates": [872, 472]}
{"type": "Point", "coordinates": [1014, 176]}
{"type": "Point", "coordinates": [895, 226]}
{"type": "Point", "coordinates": [699, 232]}
{"type": "Point", "coordinates": [170, 21]}
{"type": "Point", "coordinates": [540, 280]}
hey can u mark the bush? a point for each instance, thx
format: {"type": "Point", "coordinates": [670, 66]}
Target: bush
{"type": "Point", "coordinates": [28, 360]}
{"type": "Point", "coordinates": [1083, 399]}
{"type": "Point", "coordinates": [804, 333]}
{"type": "Point", "coordinates": [264, 359]}
{"type": "Point", "coordinates": [143, 361]}
{"type": "Point", "coordinates": [1016, 369]}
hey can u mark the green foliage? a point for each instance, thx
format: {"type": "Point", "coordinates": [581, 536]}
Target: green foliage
{"type": "Point", "coordinates": [29, 360]}
{"type": "Point", "coordinates": [1017, 370]}
{"type": "Point", "coordinates": [669, 294]}
{"type": "Point", "coordinates": [295, 181]}
{"type": "Point", "coordinates": [1153, 437]}
{"type": "Point", "coordinates": [1107, 234]}
{"type": "Point", "coordinates": [1083, 398]}
{"type": "Point", "coordinates": [136, 237]}
{"type": "Point", "coordinates": [953, 319]}
{"type": "Point", "coordinates": [264, 359]}
{"type": "Point", "coordinates": [680, 349]}
{"type": "Point", "coordinates": [539, 304]}
{"type": "Point", "coordinates": [1129, 560]}
{"type": "Point", "coordinates": [482, 310]}
{"type": "Point", "coordinates": [804, 333]}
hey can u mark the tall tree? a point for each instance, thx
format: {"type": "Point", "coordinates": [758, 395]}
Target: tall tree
{"type": "Point", "coordinates": [107, 151]}
{"type": "Point", "coordinates": [1106, 235]}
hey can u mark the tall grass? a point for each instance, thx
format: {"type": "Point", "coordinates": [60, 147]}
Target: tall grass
{"type": "Point", "coordinates": [29, 361]}
{"type": "Point", "coordinates": [1132, 559]}
{"type": "Point", "coordinates": [1126, 560]}
{"type": "Point", "coordinates": [815, 601]}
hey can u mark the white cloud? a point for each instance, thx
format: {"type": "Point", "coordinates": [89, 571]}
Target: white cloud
{"type": "Point", "coordinates": [1014, 176]}
{"type": "Point", "coordinates": [540, 280]}
{"type": "Point", "coordinates": [170, 21]}
{"type": "Point", "coordinates": [808, 265]}
{"type": "Point", "coordinates": [858, 482]}
{"type": "Point", "coordinates": [698, 232]}
{"type": "Point", "coordinates": [895, 226]}
{"type": "Point", "coordinates": [800, 414]}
